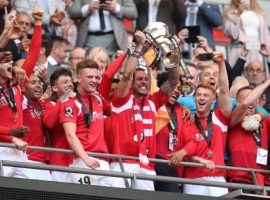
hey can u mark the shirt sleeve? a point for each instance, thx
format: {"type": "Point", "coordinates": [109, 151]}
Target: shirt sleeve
{"type": "Point", "coordinates": [117, 102]}
{"type": "Point", "coordinates": [159, 98]}
{"type": "Point", "coordinates": [33, 53]}
{"type": "Point", "coordinates": [4, 130]}
{"type": "Point", "coordinates": [85, 10]}
{"type": "Point", "coordinates": [220, 120]}
{"type": "Point", "coordinates": [6, 138]}
{"type": "Point", "coordinates": [68, 112]}
{"type": "Point", "coordinates": [186, 138]}
{"type": "Point", "coordinates": [50, 116]}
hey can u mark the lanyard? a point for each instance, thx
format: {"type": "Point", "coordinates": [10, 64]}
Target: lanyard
{"type": "Point", "coordinates": [207, 136]}
{"type": "Point", "coordinates": [87, 114]}
{"type": "Point", "coordinates": [9, 96]}
{"type": "Point", "coordinates": [257, 136]}
{"type": "Point", "coordinates": [37, 112]}
{"type": "Point", "coordinates": [172, 125]}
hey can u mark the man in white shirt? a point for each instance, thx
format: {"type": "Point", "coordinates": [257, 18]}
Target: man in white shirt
{"type": "Point", "coordinates": [101, 22]}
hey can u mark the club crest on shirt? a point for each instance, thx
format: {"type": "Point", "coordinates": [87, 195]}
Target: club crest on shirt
{"type": "Point", "coordinates": [68, 111]}
{"type": "Point", "coordinates": [135, 138]}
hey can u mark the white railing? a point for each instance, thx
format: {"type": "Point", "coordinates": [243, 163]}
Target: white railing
{"type": "Point", "coordinates": [134, 176]}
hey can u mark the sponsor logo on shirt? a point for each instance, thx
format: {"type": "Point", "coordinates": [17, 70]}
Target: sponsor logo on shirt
{"type": "Point", "coordinates": [97, 116]}
{"type": "Point", "coordinates": [199, 137]}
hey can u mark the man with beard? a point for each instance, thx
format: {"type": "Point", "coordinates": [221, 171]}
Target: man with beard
{"type": "Point", "coordinates": [209, 129]}
{"type": "Point", "coordinates": [188, 84]}
{"type": "Point", "coordinates": [252, 130]}
{"type": "Point", "coordinates": [83, 122]}
{"type": "Point", "coordinates": [32, 109]}
{"type": "Point", "coordinates": [62, 89]}
{"type": "Point", "coordinates": [134, 116]}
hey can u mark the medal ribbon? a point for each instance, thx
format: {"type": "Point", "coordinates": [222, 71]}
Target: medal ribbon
{"type": "Point", "coordinates": [9, 96]}
{"type": "Point", "coordinates": [88, 115]}
{"type": "Point", "coordinates": [208, 136]}
{"type": "Point", "coordinates": [257, 136]}
{"type": "Point", "coordinates": [172, 125]}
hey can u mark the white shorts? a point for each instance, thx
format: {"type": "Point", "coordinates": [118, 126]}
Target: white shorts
{"type": "Point", "coordinates": [91, 179]}
{"type": "Point", "coordinates": [206, 190]}
{"type": "Point", "coordinates": [61, 176]}
{"type": "Point", "coordinates": [15, 155]}
{"type": "Point", "coordinates": [132, 168]}
{"type": "Point", "coordinates": [38, 174]}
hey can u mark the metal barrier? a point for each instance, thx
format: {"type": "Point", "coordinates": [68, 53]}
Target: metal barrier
{"type": "Point", "coordinates": [132, 176]}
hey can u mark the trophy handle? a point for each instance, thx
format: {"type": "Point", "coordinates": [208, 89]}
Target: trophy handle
{"type": "Point", "coordinates": [182, 63]}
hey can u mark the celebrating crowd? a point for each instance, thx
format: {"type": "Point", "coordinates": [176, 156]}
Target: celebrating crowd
{"type": "Point", "coordinates": [70, 79]}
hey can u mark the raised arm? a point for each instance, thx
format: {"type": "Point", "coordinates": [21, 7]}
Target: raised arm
{"type": "Point", "coordinates": [239, 112]}
{"type": "Point", "coordinates": [35, 44]}
{"type": "Point", "coordinates": [11, 29]}
{"type": "Point", "coordinates": [130, 66]}
{"type": "Point", "coordinates": [173, 78]}
{"type": "Point", "coordinates": [224, 99]}
{"type": "Point", "coordinates": [105, 85]}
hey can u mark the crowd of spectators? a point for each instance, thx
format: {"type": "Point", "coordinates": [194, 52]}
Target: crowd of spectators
{"type": "Point", "coordinates": [72, 78]}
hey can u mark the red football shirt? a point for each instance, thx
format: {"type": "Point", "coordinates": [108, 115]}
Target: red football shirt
{"type": "Point", "coordinates": [123, 129]}
{"type": "Point", "coordinates": [243, 151]}
{"type": "Point", "coordinates": [184, 141]}
{"type": "Point", "coordinates": [35, 137]}
{"type": "Point", "coordinates": [220, 127]}
{"type": "Point", "coordinates": [50, 118]}
{"type": "Point", "coordinates": [92, 138]}
{"type": "Point", "coordinates": [8, 118]}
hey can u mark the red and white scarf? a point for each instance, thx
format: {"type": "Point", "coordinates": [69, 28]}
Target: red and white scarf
{"type": "Point", "coordinates": [143, 128]}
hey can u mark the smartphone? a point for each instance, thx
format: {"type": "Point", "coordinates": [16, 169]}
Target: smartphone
{"type": "Point", "coordinates": [194, 31]}
{"type": "Point", "coordinates": [103, 1]}
{"type": "Point", "coordinates": [206, 56]}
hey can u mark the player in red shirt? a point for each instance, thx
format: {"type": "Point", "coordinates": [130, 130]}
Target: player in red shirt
{"type": "Point", "coordinates": [134, 115]}
{"type": "Point", "coordinates": [83, 122]}
{"type": "Point", "coordinates": [62, 89]}
{"type": "Point", "coordinates": [11, 114]}
{"type": "Point", "coordinates": [209, 129]}
{"type": "Point", "coordinates": [253, 132]}
{"type": "Point", "coordinates": [170, 142]}
{"type": "Point", "coordinates": [32, 109]}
